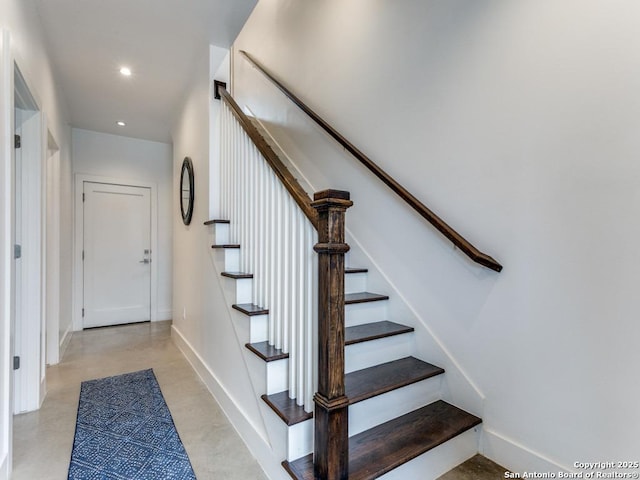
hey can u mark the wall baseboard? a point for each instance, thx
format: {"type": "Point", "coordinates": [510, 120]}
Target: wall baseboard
{"type": "Point", "coordinates": [66, 339]}
{"type": "Point", "coordinates": [257, 445]}
{"type": "Point", "coordinates": [515, 456]}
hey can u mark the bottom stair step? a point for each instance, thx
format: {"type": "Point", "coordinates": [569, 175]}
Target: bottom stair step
{"type": "Point", "coordinates": [377, 451]}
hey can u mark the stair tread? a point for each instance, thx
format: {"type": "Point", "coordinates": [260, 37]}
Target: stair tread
{"type": "Point", "coordinates": [226, 245]}
{"type": "Point", "coordinates": [355, 270]}
{"type": "Point", "coordinates": [362, 297]}
{"type": "Point", "coordinates": [357, 334]}
{"type": "Point", "coordinates": [370, 382]}
{"type": "Point", "coordinates": [211, 222]}
{"type": "Point", "coordinates": [267, 352]}
{"type": "Point", "coordinates": [361, 385]}
{"type": "Point", "coordinates": [237, 275]}
{"type": "Point", "coordinates": [375, 452]}
{"type": "Point", "coordinates": [250, 309]}
{"type": "Point", "coordinates": [374, 331]}
{"type": "Point", "coordinates": [286, 408]}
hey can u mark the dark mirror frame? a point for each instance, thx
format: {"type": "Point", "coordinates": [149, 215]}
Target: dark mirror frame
{"type": "Point", "coordinates": [186, 210]}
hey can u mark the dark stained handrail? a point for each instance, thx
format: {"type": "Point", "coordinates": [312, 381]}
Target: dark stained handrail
{"type": "Point", "coordinates": [458, 240]}
{"type": "Point", "coordinates": [288, 180]}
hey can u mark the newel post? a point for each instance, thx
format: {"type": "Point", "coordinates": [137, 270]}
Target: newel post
{"type": "Point", "coordinates": [331, 451]}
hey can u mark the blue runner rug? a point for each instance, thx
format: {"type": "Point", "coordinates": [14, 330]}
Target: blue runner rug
{"type": "Point", "coordinates": [125, 431]}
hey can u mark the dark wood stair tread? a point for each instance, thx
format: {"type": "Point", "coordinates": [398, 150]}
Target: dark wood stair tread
{"type": "Point", "coordinates": [370, 382]}
{"type": "Point", "coordinates": [250, 309]}
{"type": "Point", "coordinates": [362, 297]}
{"type": "Point", "coordinates": [375, 452]}
{"type": "Point", "coordinates": [286, 408]}
{"type": "Point", "coordinates": [361, 385]}
{"type": "Point", "coordinates": [374, 331]}
{"type": "Point", "coordinates": [234, 245]}
{"type": "Point", "coordinates": [355, 270]}
{"type": "Point", "coordinates": [211, 222]}
{"type": "Point", "coordinates": [237, 275]}
{"type": "Point", "coordinates": [267, 352]}
{"type": "Point", "coordinates": [357, 334]}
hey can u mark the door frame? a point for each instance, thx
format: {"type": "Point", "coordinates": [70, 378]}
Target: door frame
{"type": "Point", "coordinates": [78, 235]}
{"type": "Point", "coordinates": [29, 329]}
{"type": "Point", "coordinates": [6, 239]}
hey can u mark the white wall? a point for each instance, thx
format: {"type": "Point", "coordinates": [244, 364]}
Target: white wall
{"type": "Point", "coordinates": [517, 123]}
{"type": "Point", "coordinates": [133, 159]}
{"type": "Point", "coordinates": [23, 43]}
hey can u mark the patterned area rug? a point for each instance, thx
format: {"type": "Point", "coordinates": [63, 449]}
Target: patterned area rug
{"type": "Point", "coordinates": [125, 431]}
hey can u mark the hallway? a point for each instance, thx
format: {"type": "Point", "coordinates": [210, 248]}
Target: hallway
{"type": "Point", "coordinates": [43, 439]}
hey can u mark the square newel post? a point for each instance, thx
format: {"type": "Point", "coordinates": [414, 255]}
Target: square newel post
{"type": "Point", "coordinates": [331, 450]}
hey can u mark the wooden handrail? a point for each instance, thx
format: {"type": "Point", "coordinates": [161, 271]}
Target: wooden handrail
{"type": "Point", "coordinates": [282, 172]}
{"type": "Point", "coordinates": [458, 240]}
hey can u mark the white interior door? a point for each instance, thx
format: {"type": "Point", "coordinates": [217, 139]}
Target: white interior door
{"type": "Point", "coordinates": [117, 254]}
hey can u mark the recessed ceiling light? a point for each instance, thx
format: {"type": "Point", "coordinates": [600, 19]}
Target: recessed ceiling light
{"type": "Point", "coordinates": [126, 71]}
{"type": "Point", "coordinates": [120, 123]}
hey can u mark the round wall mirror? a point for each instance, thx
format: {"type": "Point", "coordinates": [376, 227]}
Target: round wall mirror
{"type": "Point", "coordinates": [186, 190]}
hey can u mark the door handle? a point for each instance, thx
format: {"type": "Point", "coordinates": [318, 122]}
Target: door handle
{"type": "Point", "coordinates": [146, 260]}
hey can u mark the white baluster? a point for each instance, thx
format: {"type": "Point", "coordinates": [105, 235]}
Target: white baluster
{"type": "Point", "coordinates": [277, 247]}
{"type": "Point", "coordinates": [279, 268]}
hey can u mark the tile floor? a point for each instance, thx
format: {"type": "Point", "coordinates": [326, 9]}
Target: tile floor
{"type": "Point", "coordinates": [43, 439]}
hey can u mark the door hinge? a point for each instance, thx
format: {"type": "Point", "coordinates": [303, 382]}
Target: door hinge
{"type": "Point", "coordinates": [16, 363]}
{"type": "Point", "coordinates": [83, 255]}
{"type": "Point", "coordinates": [17, 142]}
{"type": "Point", "coordinates": [83, 197]}
{"type": "Point", "coordinates": [83, 313]}
{"type": "Point", "coordinates": [17, 251]}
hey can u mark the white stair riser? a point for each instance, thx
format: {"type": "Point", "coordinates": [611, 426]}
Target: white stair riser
{"type": "Point", "coordinates": [374, 352]}
{"type": "Point", "coordinates": [227, 259]}
{"type": "Point", "coordinates": [238, 290]}
{"type": "Point", "coordinates": [277, 373]}
{"type": "Point", "coordinates": [244, 289]}
{"type": "Point", "coordinates": [300, 440]}
{"type": "Point", "coordinates": [232, 259]}
{"type": "Point", "coordinates": [359, 313]}
{"type": "Point", "coordinates": [355, 282]}
{"type": "Point", "coordinates": [436, 462]}
{"type": "Point", "coordinates": [221, 233]}
{"type": "Point", "coordinates": [267, 377]}
{"type": "Point", "coordinates": [251, 329]}
{"type": "Point", "coordinates": [382, 408]}
{"type": "Point", "coordinates": [288, 442]}
{"type": "Point", "coordinates": [259, 329]}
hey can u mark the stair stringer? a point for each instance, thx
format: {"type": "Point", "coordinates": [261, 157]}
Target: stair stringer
{"type": "Point", "coordinates": [286, 442]}
{"type": "Point", "coordinates": [246, 329]}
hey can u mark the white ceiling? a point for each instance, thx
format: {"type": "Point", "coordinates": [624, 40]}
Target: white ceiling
{"type": "Point", "coordinates": [89, 40]}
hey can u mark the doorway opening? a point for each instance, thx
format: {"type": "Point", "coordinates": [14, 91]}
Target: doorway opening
{"type": "Point", "coordinates": [29, 385]}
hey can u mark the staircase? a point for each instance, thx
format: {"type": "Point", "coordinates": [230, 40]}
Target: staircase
{"type": "Point", "coordinates": [395, 414]}
{"type": "Point", "coordinates": [343, 392]}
